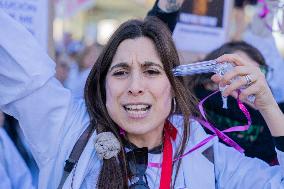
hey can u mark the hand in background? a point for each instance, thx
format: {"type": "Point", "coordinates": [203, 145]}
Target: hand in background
{"type": "Point", "coordinates": [170, 5]}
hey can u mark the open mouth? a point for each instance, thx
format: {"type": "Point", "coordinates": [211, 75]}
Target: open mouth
{"type": "Point", "coordinates": [137, 110]}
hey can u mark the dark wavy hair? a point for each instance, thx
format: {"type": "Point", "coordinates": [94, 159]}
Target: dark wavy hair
{"type": "Point", "coordinates": [114, 171]}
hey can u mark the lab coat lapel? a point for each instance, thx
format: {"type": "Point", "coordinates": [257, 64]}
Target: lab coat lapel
{"type": "Point", "coordinates": [198, 166]}
{"type": "Point", "coordinates": [199, 171]}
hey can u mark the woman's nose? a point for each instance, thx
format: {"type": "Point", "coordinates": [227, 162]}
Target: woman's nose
{"type": "Point", "coordinates": [136, 86]}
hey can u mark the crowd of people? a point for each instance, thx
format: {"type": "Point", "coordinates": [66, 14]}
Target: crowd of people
{"type": "Point", "coordinates": [116, 116]}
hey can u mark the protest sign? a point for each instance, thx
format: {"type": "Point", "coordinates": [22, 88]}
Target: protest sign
{"type": "Point", "coordinates": [203, 25]}
{"type": "Point", "coordinates": [33, 14]}
{"type": "Point", "coordinates": [68, 8]}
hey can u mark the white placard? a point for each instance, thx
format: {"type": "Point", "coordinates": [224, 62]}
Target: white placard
{"type": "Point", "coordinates": [203, 25]}
{"type": "Point", "coordinates": [33, 14]}
{"type": "Point", "coordinates": [69, 8]}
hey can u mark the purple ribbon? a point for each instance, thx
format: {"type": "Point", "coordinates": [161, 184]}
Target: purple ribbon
{"type": "Point", "coordinates": [265, 9]}
{"type": "Point", "coordinates": [122, 132]}
{"type": "Point", "coordinates": [218, 133]}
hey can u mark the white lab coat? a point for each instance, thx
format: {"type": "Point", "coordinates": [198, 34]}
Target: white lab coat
{"type": "Point", "coordinates": [14, 172]}
{"type": "Point", "coordinates": [52, 122]}
{"type": "Point", "coordinates": [76, 80]}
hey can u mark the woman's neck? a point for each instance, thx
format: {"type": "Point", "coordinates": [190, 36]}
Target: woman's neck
{"type": "Point", "coordinates": [149, 140]}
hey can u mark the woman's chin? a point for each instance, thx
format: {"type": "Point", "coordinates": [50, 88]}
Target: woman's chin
{"type": "Point", "coordinates": [141, 130]}
{"type": "Point", "coordinates": [137, 131]}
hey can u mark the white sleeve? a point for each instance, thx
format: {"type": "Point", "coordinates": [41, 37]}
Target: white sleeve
{"type": "Point", "coordinates": [30, 92]}
{"type": "Point", "coordinates": [25, 66]}
{"type": "Point", "coordinates": [235, 170]}
{"type": "Point", "coordinates": [14, 172]}
{"type": "Point", "coordinates": [4, 181]}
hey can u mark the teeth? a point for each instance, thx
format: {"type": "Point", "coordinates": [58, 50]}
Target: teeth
{"type": "Point", "coordinates": [137, 107]}
{"type": "Point", "coordinates": [137, 111]}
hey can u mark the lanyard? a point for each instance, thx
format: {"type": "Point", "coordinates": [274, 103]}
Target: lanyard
{"type": "Point", "coordinates": [167, 164]}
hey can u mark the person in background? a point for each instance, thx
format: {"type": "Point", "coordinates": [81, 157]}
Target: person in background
{"type": "Point", "coordinates": [14, 172]}
{"type": "Point", "coordinates": [239, 17]}
{"type": "Point", "coordinates": [203, 86]}
{"type": "Point", "coordinates": [80, 70]}
{"type": "Point", "coordinates": [260, 34]}
{"type": "Point", "coordinates": [62, 67]}
{"type": "Point", "coordinates": [257, 33]}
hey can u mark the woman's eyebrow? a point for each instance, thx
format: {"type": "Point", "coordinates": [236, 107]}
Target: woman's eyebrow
{"type": "Point", "coordinates": [119, 65]}
{"type": "Point", "coordinates": [149, 63]}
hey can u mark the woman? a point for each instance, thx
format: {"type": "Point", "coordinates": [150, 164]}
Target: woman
{"type": "Point", "coordinates": [130, 88]}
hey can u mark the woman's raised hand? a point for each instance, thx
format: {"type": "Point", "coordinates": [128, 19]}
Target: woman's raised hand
{"type": "Point", "coordinates": [249, 77]}
{"type": "Point", "coordinates": [254, 80]}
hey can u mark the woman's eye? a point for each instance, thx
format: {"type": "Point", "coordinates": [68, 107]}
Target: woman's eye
{"type": "Point", "coordinates": [120, 73]}
{"type": "Point", "coordinates": [152, 72]}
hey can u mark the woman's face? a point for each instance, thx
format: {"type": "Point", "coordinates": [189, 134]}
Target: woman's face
{"type": "Point", "coordinates": [138, 91]}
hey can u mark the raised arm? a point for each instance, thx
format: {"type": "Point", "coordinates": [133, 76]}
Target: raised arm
{"type": "Point", "coordinates": [170, 6]}
{"type": "Point", "coordinates": [167, 11]}
{"type": "Point", "coordinates": [30, 92]}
